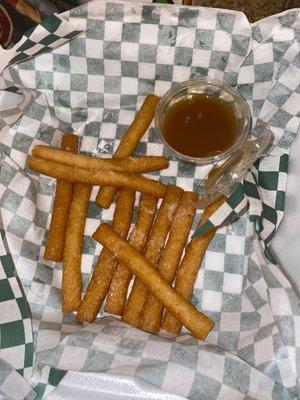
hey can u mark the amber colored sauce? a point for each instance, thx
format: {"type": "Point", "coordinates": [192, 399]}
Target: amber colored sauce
{"type": "Point", "coordinates": [200, 125]}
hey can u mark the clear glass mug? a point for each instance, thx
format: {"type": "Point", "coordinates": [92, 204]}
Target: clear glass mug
{"type": "Point", "coordinates": [236, 160]}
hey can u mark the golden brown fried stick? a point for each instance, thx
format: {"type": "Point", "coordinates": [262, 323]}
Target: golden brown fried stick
{"type": "Point", "coordinates": [117, 294]}
{"type": "Point", "coordinates": [97, 177]}
{"type": "Point", "coordinates": [190, 265]}
{"type": "Point", "coordinates": [71, 280]}
{"type": "Point", "coordinates": [130, 164]}
{"type": "Point", "coordinates": [104, 269]}
{"type": "Point", "coordinates": [129, 143]}
{"type": "Point", "coordinates": [192, 319]}
{"type": "Point", "coordinates": [153, 249]}
{"type": "Point", "coordinates": [61, 207]}
{"type": "Point", "coordinates": [170, 259]}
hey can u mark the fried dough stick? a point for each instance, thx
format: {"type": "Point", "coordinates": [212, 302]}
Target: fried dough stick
{"type": "Point", "coordinates": [104, 269]}
{"type": "Point", "coordinates": [190, 265]}
{"type": "Point", "coordinates": [71, 278]}
{"type": "Point", "coordinates": [97, 177]}
{"type": "Point", "coordinates": [153, 249]}
{"type": "Point", "coordinates": [117, 294]}
{"type": "Point", "coordinates": [197, 323]}
{"type": "Point", "coordinates": [130, 164]}
{"type": "Point", "coordinates": [61, 207]}
{"type": "Point", "coordinates": [170, 259]}
{"type": "Point", "coordinates": [129, 143]}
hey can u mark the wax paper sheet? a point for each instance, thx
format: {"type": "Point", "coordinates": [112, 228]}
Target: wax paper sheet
{"type": "Point", "coordinates": [49, 34]}
{"type": "Point", "coordinates": [93, 85]}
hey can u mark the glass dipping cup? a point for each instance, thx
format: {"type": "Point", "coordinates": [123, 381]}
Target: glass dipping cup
{"type": "Point", "coordinates": [214, 88]}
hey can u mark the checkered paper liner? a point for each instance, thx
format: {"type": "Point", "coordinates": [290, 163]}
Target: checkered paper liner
{"type": "Point", "coordinates": [48, 35]}
{"type": "Point", "coordinates": [93, 85]}
{"type": "Point", "coordinates": [16, 340]}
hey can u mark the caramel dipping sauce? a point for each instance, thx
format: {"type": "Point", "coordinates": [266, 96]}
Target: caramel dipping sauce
{"type": "Point", "coordinates": [200, 125]}
{"type": "Point", "coordinates": [202, 121]}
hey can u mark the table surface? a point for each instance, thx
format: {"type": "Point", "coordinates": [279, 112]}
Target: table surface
{"type": "Point", "coordinates": [254, 9]}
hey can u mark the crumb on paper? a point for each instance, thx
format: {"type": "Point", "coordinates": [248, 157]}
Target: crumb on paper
{"type": "Point", "coordinates": [104, 146]}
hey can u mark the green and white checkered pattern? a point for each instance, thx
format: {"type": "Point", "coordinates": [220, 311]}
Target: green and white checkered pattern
{"type": "Point", "coordinates": [93, 85]}
{"type": "Point", "coordinates": [181, 365]}
{"type": "Point", "coordinates": [269, 80]}
{"type": "Point", "coordinates": [16, 340]}
{"type": "Point", "coordinates": [12, 385]}
{"type": "Point", "coordinates": [48, 35]}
